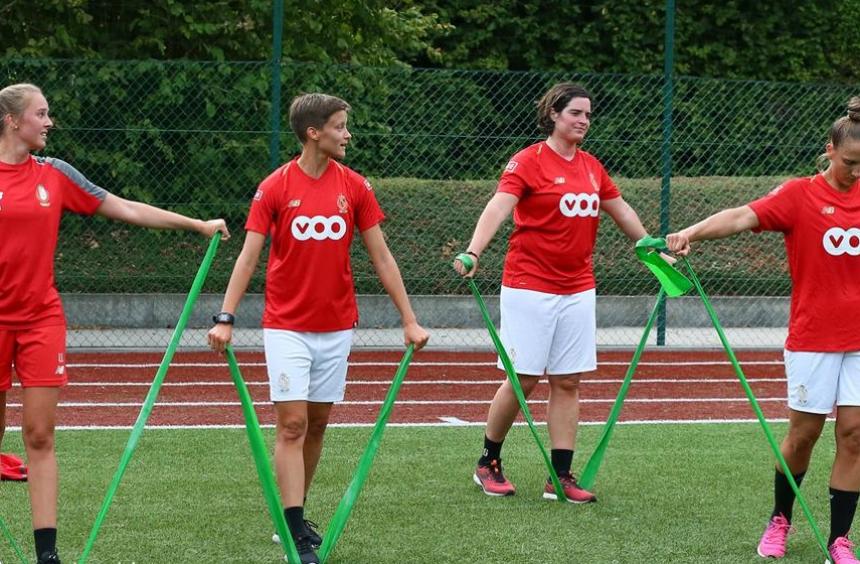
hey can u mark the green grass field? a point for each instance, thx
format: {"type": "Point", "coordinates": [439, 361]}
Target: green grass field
{"type": "Point", "coordinates": [667, 493]}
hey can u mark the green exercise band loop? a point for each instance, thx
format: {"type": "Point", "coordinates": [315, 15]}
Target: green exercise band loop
{"type": "Point", "coordinates": [261, 460]}
{"type": "Point", "coordinates": [673, 284]}
{"type": "Point", "coordinates": [148, 404]}
{"type": "Point", "coordinates": [468, 263]}
{"type": "Point", "coordinates": [338, 521]}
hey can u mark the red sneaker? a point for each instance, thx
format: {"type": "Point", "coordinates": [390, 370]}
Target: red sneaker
{"type": "Point", "coordinates": [572, 491]}
{"type": "Point", "coordinates": [492, 481]}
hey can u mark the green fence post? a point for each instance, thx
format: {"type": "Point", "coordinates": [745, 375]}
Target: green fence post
{"type": "Point", "coordinates": [277, 48]}
{"type": "Point", "coordinates": [665, 187]}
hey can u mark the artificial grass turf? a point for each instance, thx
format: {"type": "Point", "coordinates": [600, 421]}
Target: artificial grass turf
{"type": "Point", "coordinates": [667, 493]}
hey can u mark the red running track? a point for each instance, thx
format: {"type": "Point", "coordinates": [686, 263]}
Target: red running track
{"type": "Point", "coordinates": [108, 390]}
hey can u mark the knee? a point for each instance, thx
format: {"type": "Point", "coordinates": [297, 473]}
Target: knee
{"type": "Point", "coordinates": [292, 429]}
{"type": "Point", "coordinates": [848, 440]}
{"type": "Point", "coordinates": [317, 427]}
{"type": "Point", "coordinates": [38, 439]}
{"type": "Point", "coordinates": [565, 384]}
{"type": "Point", "coordinates": [528, 383]}
{"type": "Point", "coordinates": [803, 440]}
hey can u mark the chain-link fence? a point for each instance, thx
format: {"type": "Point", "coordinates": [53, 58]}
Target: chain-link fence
{"type": "Point", "coordinates": [196, 138]}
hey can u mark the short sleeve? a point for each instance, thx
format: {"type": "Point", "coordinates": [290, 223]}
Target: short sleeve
{"type": "Point", "coordinates": [79, 194]}
{"type": "Point", "coordinates": [608, 189]}
{"type": "Point", "coordinates": [514, 180]}
{"type": "Point", "coordinates": [778, 209]}
{"type": "Point", "coordinates": [264, 206]}
{"type": "Point", "coordinates": [367, 211]}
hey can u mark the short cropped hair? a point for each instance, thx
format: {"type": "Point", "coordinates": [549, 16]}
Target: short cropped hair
{"type": "Point", "coordinates": [313, 110]}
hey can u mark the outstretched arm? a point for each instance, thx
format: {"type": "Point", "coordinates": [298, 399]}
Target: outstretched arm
{"type": "Point", "coordinates": [721, 224]}
{"type": "Point", "coordinates": [495, 213]}
{"type": "Point", "coordinates": [246, 264]}
{"type": "Point", "coordinates": [144, 215]}
{"type": "Point", "coordinates": [625, 217]}
{"type": "Point", "coordinates": [389, 274]}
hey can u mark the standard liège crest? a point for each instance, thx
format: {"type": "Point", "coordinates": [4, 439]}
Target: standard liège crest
{"type": "Point", "coordinates": [43, 196]}
{"type": "Point", "coordinates": [342, 204]}
{"type": "Point", "coordinates": [594, 183]}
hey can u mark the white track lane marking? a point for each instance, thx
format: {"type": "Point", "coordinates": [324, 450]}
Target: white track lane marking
{"type": "Point", "coordinates": [429, 424]}
{"type": "Point", "coordinates": [400, 402]}
{"type": "Point", "coordinates": [224, 364]}
{"type": "Point", "coordinates": [436, 382]}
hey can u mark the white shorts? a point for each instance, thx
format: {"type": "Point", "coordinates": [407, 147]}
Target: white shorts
{"type": "Point", "coordinates": [549, 333]}
{"type": "Point", "coordinates": [819, 380]}
{"type": "Point", "coordinates": [306, 366]}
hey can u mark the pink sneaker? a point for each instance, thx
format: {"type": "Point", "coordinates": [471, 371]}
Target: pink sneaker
{"type": "Point", "coordinates": [772, 543]}
{"type": "Point", "coordinates": [572, 491]}
{"type": "Point", "coordinates": [492, 481]}
{"type": "Point", "coordinates": [842, 551]}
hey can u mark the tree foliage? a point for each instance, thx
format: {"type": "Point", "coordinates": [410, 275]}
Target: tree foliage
{"type": "Point", "coordinates": [369, 32]}
{"type": "Point", "coordinates": [760, 40]}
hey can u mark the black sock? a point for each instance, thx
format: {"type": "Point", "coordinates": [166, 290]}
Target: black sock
{"type": "Point", "coordinates": [46, 540]}
{"type": "Point", "coordinates": [295, 517]}
{"type": "Point", "coordinates": [783, 495]}
{"type": "Point", "coordinates": [561, 460]}
{"type": "Point", "coordinates": [492, 451]}
{"type": "Point", "coordinates": [842, 507]}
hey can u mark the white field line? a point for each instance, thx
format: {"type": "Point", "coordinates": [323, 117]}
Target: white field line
{"type": "Point", "coordinates": [434, 424]}
{"type": "Point", "coordinates": [402, 402]}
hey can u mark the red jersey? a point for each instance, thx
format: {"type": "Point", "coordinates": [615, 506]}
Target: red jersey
{"type": "Point", "coordinates": [312, 222]}
{"type": "Point", "coordinates": [821, 227]}
{"type": "Point", "coordinates": [555, 220]}
{"type": "Point", "coordinates": [33, 195]}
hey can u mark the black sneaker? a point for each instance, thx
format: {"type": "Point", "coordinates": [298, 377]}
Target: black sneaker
{"type": "Point", "coordinates": [306, 550]}
{"type": "Point", "coordinates": [311, 530]}
{"type": "Point", "coordinates": [49, 557]}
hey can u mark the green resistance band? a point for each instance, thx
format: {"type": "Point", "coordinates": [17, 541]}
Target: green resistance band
{"type": "Point", "coordinates": [148, 404]}
{"type": "Point", "coordinates": [593, 464]}
{"type": "Point", "coordinates": [344, 508]}
{"type": "Point", "coordinates": [261, 460]}
{"type": "Point", "coordinates": [754, 402]}
{"type": "Point", "coordinates": [673, 284]}
{"type": "Point", "coordinates": [11, 539]}
{"type": "Point", "coordinates": [468, 263]}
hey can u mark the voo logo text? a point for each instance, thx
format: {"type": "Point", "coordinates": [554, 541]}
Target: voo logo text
{"type": "Point", "coordinates": [838, 241]}
{"type": "Point", "coordinates": [318, 227]}
{"type": "Point", "coordinates": [580, 205]}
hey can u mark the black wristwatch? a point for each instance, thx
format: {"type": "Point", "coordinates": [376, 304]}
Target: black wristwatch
{"type": "Point", "coordinates": [224, 317]}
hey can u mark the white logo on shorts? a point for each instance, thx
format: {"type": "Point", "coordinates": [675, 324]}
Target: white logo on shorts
{"type": "Point", "coordinates": [838, 241]}
{"type": "Point", "coordinates": [318, 227]}
{"type": "Point", "coordinates": [802, 394]}
{"type": "Point", "coordinates": [579, 205]}
{"type": "Point", "coordinates": [284, 382]}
